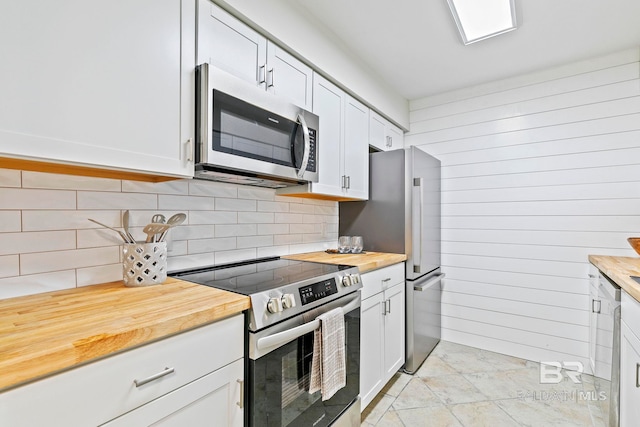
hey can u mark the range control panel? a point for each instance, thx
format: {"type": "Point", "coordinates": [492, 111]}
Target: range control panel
{"type": "Point", "coordinates": [319, 290]}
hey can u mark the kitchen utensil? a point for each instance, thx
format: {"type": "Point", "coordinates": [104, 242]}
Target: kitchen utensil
{"type": "Point", "coordinates": [174, 220]}
{"type": "Point", "coordinates": [154, 228]}
{"type": "Point", "coordinates": [124, 236]}
{"type": "Point", "coordinates": [158, 218]}
{"type": "Point", "coordinates": [125, 225]}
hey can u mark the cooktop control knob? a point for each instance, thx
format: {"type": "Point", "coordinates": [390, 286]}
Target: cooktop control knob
{"type": "Point", "coordinates": [346, 280]}
{"type": "Point", "coordinates": [355, 278]}
{"type": "Point", "coordinates": [288, 301]}
{"type": "Point", "coordinates": [274, 305]}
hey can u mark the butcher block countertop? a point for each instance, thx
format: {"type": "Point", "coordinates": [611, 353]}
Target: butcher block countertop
{"type": "Point", "coordinates": [619, 269]}
{"type": "Point", "coordinates": [45, 333]}
{"type": "Point", "coordinates": [365, 261]}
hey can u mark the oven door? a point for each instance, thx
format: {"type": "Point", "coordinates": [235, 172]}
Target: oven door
{"type": "Point", "coordinates": [279, 373]}
{"type": "Point", "coordinates": [244, 129]}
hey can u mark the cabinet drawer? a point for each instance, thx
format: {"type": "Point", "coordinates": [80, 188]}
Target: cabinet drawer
{"type": "Point", "coordinates": [100, 391]}
{"type": "Point", "coordinates": [378, 280]}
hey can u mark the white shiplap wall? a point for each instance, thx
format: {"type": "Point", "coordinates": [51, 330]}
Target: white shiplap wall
{"type": "Point", "coordinates": [538, 172]}
{"type": "Point", "coordinates": [47, 243]}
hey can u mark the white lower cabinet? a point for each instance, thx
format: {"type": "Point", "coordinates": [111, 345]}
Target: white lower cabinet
{"type": "Point", "coordinates": [382, 326]}
{"type": "Point", "coordinates": [629, 362]}
{"type": "Point", "coordinates": [190, 379]}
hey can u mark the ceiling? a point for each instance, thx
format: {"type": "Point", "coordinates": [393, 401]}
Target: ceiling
{"type": "Point", "coordinates": [415, 47]}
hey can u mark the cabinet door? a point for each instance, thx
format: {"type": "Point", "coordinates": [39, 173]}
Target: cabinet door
{"type": "Point", "coordinates": [288, 77]}
{"type": "Point", "coordinates": [229, 44]}
{"type": "Point", "coordinates": [394, 137]}
{"type": "Point", "coordinates": [394, 330]}
{"type": "Point", "coordinates": [593, 316]}
{"type": "Point", "coordinates": [99, 83]}
{"type": "Point", "coordinates": [215, 399]}
{"type": "Point", "coordinates": [629, 377]}
{"type": "Point", "coordinates": [377, 131]}
{"type": "Point", "coordinates": [328, 104]}
{"type": "Point", "coordinates": [356, 151]}
{"type": "Point", "coordinates": [371, 348]}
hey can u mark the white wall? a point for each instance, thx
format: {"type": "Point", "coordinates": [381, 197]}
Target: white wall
{"type": "Point", "coordinates": [539, 171]}
{"type": "Point", "coordinates": [47, 242]}
{"type": "Point", "coordinates": [292, 28]}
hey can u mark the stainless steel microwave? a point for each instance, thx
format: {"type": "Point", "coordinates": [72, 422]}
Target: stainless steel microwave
{"type": "Point", "coordinates": [250, 137]}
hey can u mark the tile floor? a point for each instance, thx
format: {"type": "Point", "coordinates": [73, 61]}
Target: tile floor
{"type": "Point", "coordinates": [464, 386]}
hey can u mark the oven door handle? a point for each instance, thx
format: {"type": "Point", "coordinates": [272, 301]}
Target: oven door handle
{"type": "Point", "coordinates": [284, 337]}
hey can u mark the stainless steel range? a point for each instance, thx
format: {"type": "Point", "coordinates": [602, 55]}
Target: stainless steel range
{"type": "Point", "coordinates": [286, 298]}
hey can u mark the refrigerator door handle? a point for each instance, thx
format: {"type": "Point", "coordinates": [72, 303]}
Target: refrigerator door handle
{"type": "Point", "coordinates": [429, 283]}
{"type": "Point", "coordinates": [417, 268]}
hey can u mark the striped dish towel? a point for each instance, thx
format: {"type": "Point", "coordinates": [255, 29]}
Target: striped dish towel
{"type": "Point", "coordinates": [328, 371]}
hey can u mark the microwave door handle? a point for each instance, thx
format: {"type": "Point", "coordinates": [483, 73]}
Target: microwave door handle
{"type": "Point", "coordinates": [307, 145]}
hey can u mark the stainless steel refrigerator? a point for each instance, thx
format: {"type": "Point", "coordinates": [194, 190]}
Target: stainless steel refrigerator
{"type": "Point", "coordinates": [402, 215]}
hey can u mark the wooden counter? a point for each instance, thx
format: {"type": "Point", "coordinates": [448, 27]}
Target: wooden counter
{"type": "Point", "coordinates": [44, 333]}
{"type": "Point", "coordinates": [619, 269]}
{"type": "Point", "coordinates": [366, 261]}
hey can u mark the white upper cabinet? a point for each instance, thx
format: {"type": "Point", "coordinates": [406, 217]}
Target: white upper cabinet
{"type": "Point", "coordinates": [343, 154]}
{"type": "Point", "coordinates": [103, 84]}
{"type": "Point", "coordinates": [230, 45]}
{"type": "Point", "coordinates": [384, 135]}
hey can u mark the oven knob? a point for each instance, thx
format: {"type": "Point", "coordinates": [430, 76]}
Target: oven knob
{"type": "Point", "coordinates": [288, 301]}
{"type": "Point", "coordinates": [355, 279]}
{"type": "Point", "coordinates": [346, 280]}
{"type": "Point", "coordinates": [274, 305]}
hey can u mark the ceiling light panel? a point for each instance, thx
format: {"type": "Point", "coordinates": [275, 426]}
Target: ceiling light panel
{"type": "Point", "coordinates": [480, 19]}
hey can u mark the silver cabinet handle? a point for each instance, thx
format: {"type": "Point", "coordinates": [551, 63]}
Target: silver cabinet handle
{"type": "Point", "coordinates": [240, 403]}
{"type": "Point", "coordinates": [262, 78]}
{"type": "Point", "coordinates": [592, 276]}
{"type": "Point", "coordinates": [270, 81]}
{"type": "Point", "coordinates": [344, 181]}
{"type": "Point", "coordinates": [348, 182]}
{"type": "Point", "coordinates": [386, 280]}
{"type": "Point", "coordinates": [384, 307]}
{"type": "Point", "coordinates": [594, 303]}
{"type": "Point", "coordinates": [154, 377]}
{"type": "Point", "coordinates": [637, 375]}
{"type": "Point", "coordinates": [307, 145]}
{"type": "Point", "coordinates": [389, 305]}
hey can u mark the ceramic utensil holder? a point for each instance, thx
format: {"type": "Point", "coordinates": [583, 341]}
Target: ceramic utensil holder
{"type": "Point", "coordinates": [144, 264]}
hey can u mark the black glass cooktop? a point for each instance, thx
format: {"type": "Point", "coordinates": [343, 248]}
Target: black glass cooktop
{"type": "Point", "coordinates": [251, 277]}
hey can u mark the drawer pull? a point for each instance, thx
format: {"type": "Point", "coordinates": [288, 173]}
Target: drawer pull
{"type": "Point", "coordinates": [637, 375]}
{"type": "Point", "coordinates": [240, 403]}
{"type": "Point", "coordinates": [154, 377]}
{"type": "Point", "coordinates": [388, 279]}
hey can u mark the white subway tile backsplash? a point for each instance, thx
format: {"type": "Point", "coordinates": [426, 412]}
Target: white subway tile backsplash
{"type": "Point", "coordinates": [212, 189]}
{"type": "Point", "coordinates": [63, 260]}
{"type": "Point", "coordinates": [19, 198]}
{"type": "Point", "coordinates": [311, 247]}
{"type": "Point", "coordinates": [10, 221]}
{"type": "Point", "coordinates": [100, 274]}
{"type": "Point", "coordinates": [37, 283]}
{"type": "Point", "coordinates": [225, 257]}
{"type": "Point", "coordinates": [266, 206]}
{"type": "Point", "coordinates": [234, 230]}
{"type": "Point", "coordinates": [240, 205]}
{"type": "Point", "coordinates": [256, 193]}
{"type": "Point", "coordinates": [42, 220]}
{"type": "Point", "coordinates": [189, 232]}
{"type": "Point", "coordinates": [213, 217]}
{"type": "Point", "coordinates": [20, 243]}
{"type": "Point", "coordinates": [185, 203]}
{"type": "Point", "coordinates": [303, 209]}
{"type": "Point", "coordinates": [47, 241]}
{"type": "Point", "coordinates": [9, 265]}
{"type": "Point", "coordinates": [68, 182]}
{"type": "Point", "coordinates": [105, 200]}
{"type": "Point", "coordinates": [254, 241]}
{"type": "Point", "coordinates": [178, 187]}
{"type": "Point", "coordinates": [211, 245]}
{"type": "Point", "coordinates": [273, 229]}
{"type": "Point", "coordinates": [255, 218]}
{"type": "Point", "coordinates": [288, 218]}
{"type": "Point", "coordinates": [9, 178]}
